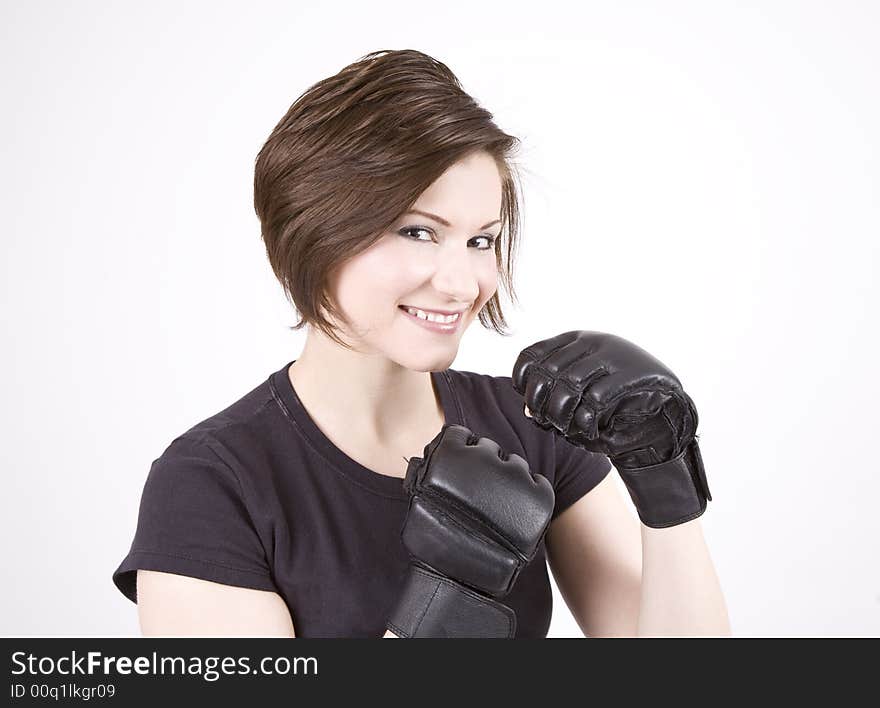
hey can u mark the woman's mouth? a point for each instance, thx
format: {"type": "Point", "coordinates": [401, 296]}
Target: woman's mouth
{"type": "Point", "coordinates": [433, 321]}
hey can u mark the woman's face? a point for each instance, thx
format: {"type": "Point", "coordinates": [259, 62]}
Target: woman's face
{"type": "Point", "coordinates": [426, 264]}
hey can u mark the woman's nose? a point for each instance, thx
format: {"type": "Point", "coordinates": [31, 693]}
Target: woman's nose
{"type": "Point", "coordinates": [455, 275]}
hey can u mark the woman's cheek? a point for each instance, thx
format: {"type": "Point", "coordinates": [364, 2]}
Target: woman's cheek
{"type": "Point", "coordinates": [488, 280]}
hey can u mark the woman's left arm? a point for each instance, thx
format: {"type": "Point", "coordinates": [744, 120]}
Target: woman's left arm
{"type": "Point", "coordinates": [594, 551]}
{"type": "Point", "coordinates": [616, 585]}
{"type": "Point", "coordinates": [681, 595]}
{"type": "Point", "coordinates": [610, 396]}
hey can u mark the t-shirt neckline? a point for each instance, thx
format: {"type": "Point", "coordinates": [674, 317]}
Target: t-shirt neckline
{"type": "Point", "coordinates": [293, 408]}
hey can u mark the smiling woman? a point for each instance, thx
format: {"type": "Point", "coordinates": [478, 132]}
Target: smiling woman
{"type": "Point", "coordinates": [412, 298]}
{"type": "Point", "coordinates": [363, 149]}
{"type": "Point", "coordinates": [389, 210]}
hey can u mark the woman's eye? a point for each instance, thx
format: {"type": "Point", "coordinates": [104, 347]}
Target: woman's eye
{"type": "Point", "coordinates": [413, 229]}
{"type": "Point", "coordinates": [490, 240]}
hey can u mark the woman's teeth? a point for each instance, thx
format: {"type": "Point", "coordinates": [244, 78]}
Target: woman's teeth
{"type": "Point", "coordinates": [431, 316]}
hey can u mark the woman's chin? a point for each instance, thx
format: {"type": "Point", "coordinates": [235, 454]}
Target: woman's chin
{"type": "Point", "coordinates": [426, 361]}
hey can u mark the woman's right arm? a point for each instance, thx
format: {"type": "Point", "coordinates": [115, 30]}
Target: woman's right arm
{"type": "Point", "coordinates": [172, 605]}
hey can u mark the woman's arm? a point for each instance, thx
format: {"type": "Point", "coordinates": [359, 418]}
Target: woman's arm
{"type": "Point", "coordinates": [171, 605]}
{"type": "Point", "coordinates": [617, 584]}
{"type": "Point", "coordinates": [617, 399]}
{"type": "Point", "coordinates": [594, 551]}
{"type": "Point", "coordinates": [681, 595]}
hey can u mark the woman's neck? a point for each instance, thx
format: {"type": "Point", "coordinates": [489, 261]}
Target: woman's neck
{"type": "Point", "coordinates": [373, 398]}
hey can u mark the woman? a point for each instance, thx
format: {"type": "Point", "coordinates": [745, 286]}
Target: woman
{"type": "Point", "coordinates": [389, 211]}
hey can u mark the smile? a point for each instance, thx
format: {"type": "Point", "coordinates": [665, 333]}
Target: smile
{"type": "Point", "coordinates": [432, 320]}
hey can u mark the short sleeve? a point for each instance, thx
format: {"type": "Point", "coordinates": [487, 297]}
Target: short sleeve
{"type": "Point", "coordinates": [577, 472]}
{"type": "Point", "coordinates": [193, 521]}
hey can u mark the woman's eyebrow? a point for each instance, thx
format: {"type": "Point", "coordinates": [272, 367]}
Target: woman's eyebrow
{"type": "Point", "coordinates": [443, 221]}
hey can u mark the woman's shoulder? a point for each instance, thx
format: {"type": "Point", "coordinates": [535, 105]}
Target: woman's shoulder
{"type": "Point", "coordinates": [239, 430]}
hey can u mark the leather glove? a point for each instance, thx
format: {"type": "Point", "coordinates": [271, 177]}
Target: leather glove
{"type": "Point", "coordinates": [608, 395]}
{"type": "Point", "coordinates": [476, 517]}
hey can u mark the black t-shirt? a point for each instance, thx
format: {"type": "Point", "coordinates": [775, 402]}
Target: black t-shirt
{"type": "Point", "coordinates": [257, 496]}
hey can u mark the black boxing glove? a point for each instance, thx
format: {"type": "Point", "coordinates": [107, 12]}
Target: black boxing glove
{"type": "Point", "coordinates": [476, 517]}
{"type": "Point", "coordinates": [608, 395]}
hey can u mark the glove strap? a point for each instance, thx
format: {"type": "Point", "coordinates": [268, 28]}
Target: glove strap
{"type": "Point", "coordinates": [669, 493]}
{"type": "Point", "coordinates": [432, 605]}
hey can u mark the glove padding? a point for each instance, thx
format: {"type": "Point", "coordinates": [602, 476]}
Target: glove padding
{"type": "Point", "coordinates": [608, 395]}
{"type": "Point", "coordinates": [476, 518]}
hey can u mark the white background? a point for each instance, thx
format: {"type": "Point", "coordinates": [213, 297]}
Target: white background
{"type": "Point", "coordinates": [700, 177]}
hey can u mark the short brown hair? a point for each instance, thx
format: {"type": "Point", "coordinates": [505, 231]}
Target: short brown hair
{"type": "Point", "coordinates": [352, 155]}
